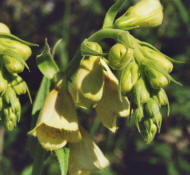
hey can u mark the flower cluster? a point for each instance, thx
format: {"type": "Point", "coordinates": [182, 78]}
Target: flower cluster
{"type": "Point", "coordinates": [128, 80]}
{"type": "Point", "coordinates": [13, 54]}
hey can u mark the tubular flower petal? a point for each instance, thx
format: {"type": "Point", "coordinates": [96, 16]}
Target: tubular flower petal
{"type": "Point", "coordinates": [110, 106]}
{"type": "Point", "coordinates": [87, 86]}
{"type": "Point", "coordinates": [85, 156]}
{"type": "Point", "coordinates": [145, 13]}
{"type": "Point", "coordinates": [57, 123]}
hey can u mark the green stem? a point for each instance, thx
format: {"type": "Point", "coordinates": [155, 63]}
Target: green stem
{"type": "Point", "coordinates": [112, 12]}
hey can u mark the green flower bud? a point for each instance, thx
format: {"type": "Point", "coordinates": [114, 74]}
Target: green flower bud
{"type": "Point", "coordinates": [13, 65]}
{"type": "Point", "coordinates": [148, 130]}
{"type": "Point", "coordinates": [4, 28]}
{"type": "Point", "coordinates": [1, 103]}
{"type": "Point", "coordinates": [19, 85]}
{"type": "Point", "coordinates": [157, 79]}
{"type": "Point", "coordinates": [10, 119]}
{"type": "Point", "coordinates": [145, 13]}
{"type": "Point", "coordinates": [94, 46]}
{"type": "Point", "coordinates": [119, 55]}
{"type": "Point", "coordinates": [3, 82]}
{"type": "Point", "coordinates": [141, 93]}
{"type": "Point", "coordinates": [23, 50]}
{"type": "Point", "coordinates": [153, 111]}
{"type": "Point", "coordinates": [162, 97]}
{"type": "Point", "coordinates": [158, 58]}
{"type": "Point", "coordinates": [139, 114]}
{"type": "Point", "coordinates": [10, 96]}
{"type": "Point", "coordinates": [130, 77]}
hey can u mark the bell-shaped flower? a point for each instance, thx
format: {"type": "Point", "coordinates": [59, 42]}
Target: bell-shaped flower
{"type": "Point", "coordinates": [110, 106]}
{"type": "Point", "coordinates": [85, 156]}
{"type": "Point", "coordinates": [57, 123]}
{"type": "Point", "coordinates": [145, 13]}
{"type": "Point", "coordinates": [88, 83]}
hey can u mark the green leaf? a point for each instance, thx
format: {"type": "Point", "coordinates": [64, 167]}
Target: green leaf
{"type": "Point", "coordinates": [46, 63]}
{"type": "Point", "coordinates": [13, 37]}
{"type": "Point", "coordinates": [86, 51]}
{"type": "Point", "coordinates": [41, 95]}
{"type": "Point", "coordinates": [39, 159]}
{"type": "Point", "coordinates": [63, 158]}
{"type": "Point", "coordinates": [56, 46]}
{"type": "Point", "coordinates": [27, 170]}
{"type": "Point", "coordinates": [112, 13]}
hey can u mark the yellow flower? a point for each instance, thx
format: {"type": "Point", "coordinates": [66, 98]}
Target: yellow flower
{"type": "Point", "coordinates": [85, 156]}
{"type": "Point", "coordinates": [57, 123]}
{"type": "Point", "coordinates": [145, 13]}
{"type": "Point", "coordinates": [87, 86]}
{"type": "Point", "coordinates": [110, 106]}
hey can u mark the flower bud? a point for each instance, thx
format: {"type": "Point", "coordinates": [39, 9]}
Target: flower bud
{"type": "Point", "coordinates": [94, 46]}
{"type": "Point", "coordinates": [1, 103]}
{"type": "Point", "coordinates": [139, 114]}
{"type": "Point", "coordinates": [85, 156]}
{"type": "Point", "coordinates": [159, 59]}
{"type": "Point", "coordinates": [23, 50]}
{"type": "Point", "coordinates": [148, 130]}
{"type": "Point", "coordinates": [145, 13]}
{"type": "Point", "coordinates": [157, 79]}
{"type": "Point", "coordinates": [130, 77]}
{"type": "Point", "coordinates": [162, 97]}
{"type": "Point", "coordinates": [9, 95]}
{"type": "Point", "coordinates": [153, 111]}
{"type": "Point", "coordinates": [13, 65]}
{"type": "Point", "coordinates": [3, 81]}
{"type": "Point", "coordinates": [19, 85]}
{"type": "Point", "coordinates": [4, 28]}
{"type": "Point", "coordinates": [119, 55]}
{"type": "Point", "coordinates": [110, 106]}
{"type": "Point", "coordinates": [10, 119]}
{"type": "Point", "coordinates": [57, 123]}
{"type": "Point", "coordinates": [141, 93]}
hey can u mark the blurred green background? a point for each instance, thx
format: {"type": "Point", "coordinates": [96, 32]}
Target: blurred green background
{"type": "Point", "coordinates": [74, 20]}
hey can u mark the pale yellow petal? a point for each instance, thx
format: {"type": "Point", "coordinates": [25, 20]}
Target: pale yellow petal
{"type": "Point", "coordinates": [110, 106]}
{"type": "Point", "coordinates": [57, 123]}
{"type": "Point", "coordinates": [85, 156]}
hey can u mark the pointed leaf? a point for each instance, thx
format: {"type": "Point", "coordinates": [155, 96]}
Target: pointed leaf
{"type": "Point", "coordinates": [63, 158]}
{"type": "Point", "coordinates": [46, 63]}
{"type": "Point", "coordinates": [13, 37]}
{"type": "Point", "coordinates": [41, 95]}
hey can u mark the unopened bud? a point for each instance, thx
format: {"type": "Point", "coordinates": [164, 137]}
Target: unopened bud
{"type": "Point", "coordinates": [145, 13]}
{"type": "Point", "coordinates": [23, 50]}
{"type": "Point", "coordinates": [119, 55]}
{"type": "Point", "coordinates": [141, 92]}
{"type": "Point", "coordinates": [159, 58]}
{"type": "Point", "coordinates": [9, 96]}
{"type": "Point", "coordinates": [1, 103]}
{"type": "Point", "coordinates": [162, 97]}
{"type": "Point", "coordinates": [148, 130]}
{"type": "Point", "coordinates": [10, 119]}
{"type": "Point", "coordinates": [4, 28]}
{"type": "Point", "coordinates": [153, 111]}
{"type": "Point", "coordinates": [130, 77]}
{"type": "Point", "coordinates": [157, 79]}
{"type": "Point", "coordinates": [19, 85]}
{"type": "Point", "coordinates": [3, 81]}
{"type": "Point", "coordinates": [13, 65]}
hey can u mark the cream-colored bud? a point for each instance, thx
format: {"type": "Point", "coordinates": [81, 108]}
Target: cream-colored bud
{"type": "Point", "coordinates": [85, 156]}
{"type": "Point", "coordinates": [57, 123]}
{"type": "Point", "coordinates": [4, 28]}
{"type": "Point", "coordinates": [145, 13]}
